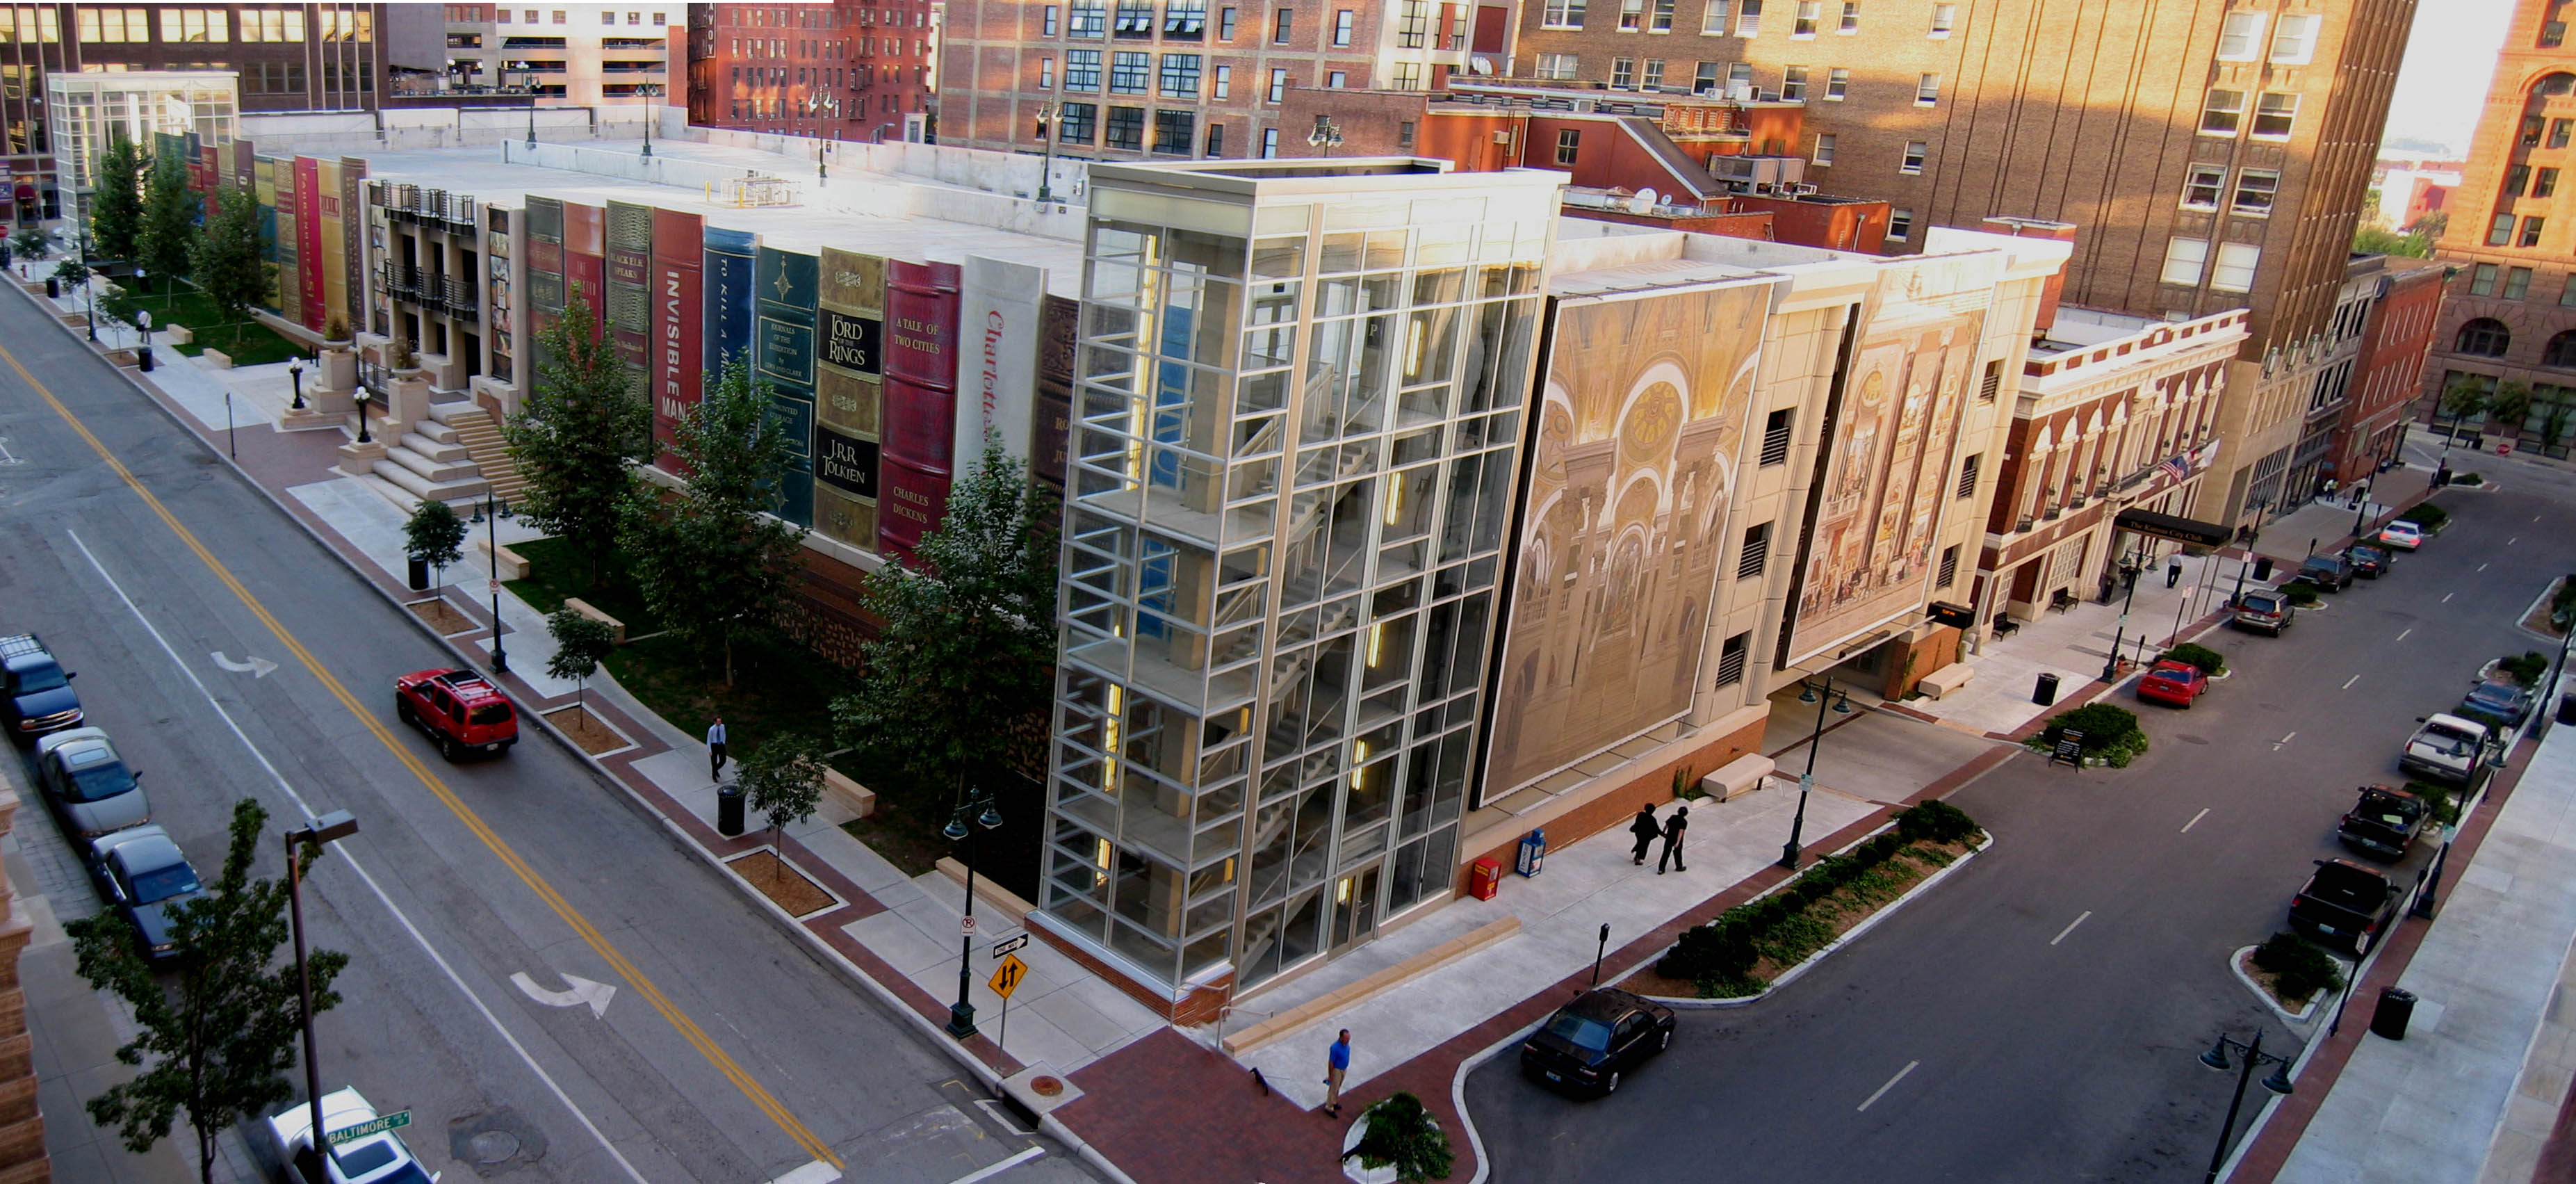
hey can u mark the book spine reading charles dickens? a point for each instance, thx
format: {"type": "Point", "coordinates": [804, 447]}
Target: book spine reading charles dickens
{"type": "Point", "coordinates": [918, 460]}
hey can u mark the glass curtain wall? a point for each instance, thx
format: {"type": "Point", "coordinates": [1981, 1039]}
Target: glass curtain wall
{"type": "Point", "coordinates": [1296, 452]}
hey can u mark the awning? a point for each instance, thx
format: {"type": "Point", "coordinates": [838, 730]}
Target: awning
{"type": "Point", "coordinates": [2169, 526]}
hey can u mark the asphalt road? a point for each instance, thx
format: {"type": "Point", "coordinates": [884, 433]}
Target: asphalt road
{"type": "Point", "coordinates": [728, 1052]}
{"type": "Point", "coordinates": [1975, 1035]}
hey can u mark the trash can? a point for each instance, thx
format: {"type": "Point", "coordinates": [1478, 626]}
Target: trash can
{"type": "Point", "coordinates": [2567, 708]}
{"type": "Point", "coordinates": [1532, 855]}
{"type": "Point", "coordinates": [419, 574]}
{"type": "Point", "coordinates": [729, 811]}
{"type": "Point", "coordinates": [2045, 694]}
{"type": "Point", "coordinates": [1484, 879]}
{"type": "Point", "coordinates": [2262, 567]}
{"type": "Point", "coordinates": [143, 358]}
{"type": "Point", "coordinates": [2396, 1007]}
{"type": "Point", "coordinates": [53, 288]}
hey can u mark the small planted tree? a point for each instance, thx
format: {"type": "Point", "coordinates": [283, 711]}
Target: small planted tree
{"type": "Point", "coordinates": [2463, 398]}
{"type": "Point", "coordinates": [2509, 407]}
{"type": "Point", "coordinates": [218, 1032]}
{"type": "Point", "coordinates": [581, 643]}
{"type": "Point", "coordinates": [169, 221]}
{"type": "Point", "coordinates": [30, 243]}
{"type": "Point", "coordinates": [783, 779]}
{"type": "Point", "coordinates": [434, 535]}
{"type": "Point", "coordinates": [226, 257]}
{"type": "Point", "coordinates": [579, 435]}
{"type": "Point", "coordinates": [116, 209]}
{"type": "Point", "coordinates": [1399, 1132]}
{"type": "Point", "coordinates": [712, 561]}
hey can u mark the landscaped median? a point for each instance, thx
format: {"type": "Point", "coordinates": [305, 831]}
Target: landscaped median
{"type": "Point", "coordinates": [2109, 734]}
{"type": "Point", "coordinates": [1755, 946]}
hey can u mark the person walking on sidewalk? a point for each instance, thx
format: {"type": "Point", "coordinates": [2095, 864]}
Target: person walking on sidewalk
{"type": "Point", "coordinates": [2173, 569]}
{"type": "Point", "coordinates": [1337, 1061]}
{"type": "Point", "coordinates": [1647, 831]}
{"type": "Point", "coordinates": [1673, 841]}
{"type": "Point", "coordinates": [716, 750]}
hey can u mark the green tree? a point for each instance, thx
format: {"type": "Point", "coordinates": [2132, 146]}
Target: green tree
{"type": "Point", "coordinates": [225, 259]}
{"type": "Point", "coordinates": [2555, 418]}
{"type": "Point", "coordinates": [2379, 240]}
{"type": "Point", "coordinates": [2509, 407]}
{"type": "Point", "coordinates": [578, 436]}
{"type": "Point", "coordinates": [72, 272]}
{"type": "Point", "coordinates": [2466, 396]}
{"type": "Point", "coordinates": [957, 682]}
{"type": "Point", "coordinates": [581, 643]}
{"type": "Point", "coordinates": [31, 244]}
{"type": "Point", "coordinates": [116, 210]}
{"type": "Point", "coordinates": [217, 1032]}
{"type": "Point", "coordinates": [783, 779]}
{"type": "Point", "coordinates": [1400, 1133]}
{"type": "Point", "coordinates": [712, 561]}
{"type": "Point", "coordinates": [434, 535]}
{"type": "Point", "coordinates": [169, 221]}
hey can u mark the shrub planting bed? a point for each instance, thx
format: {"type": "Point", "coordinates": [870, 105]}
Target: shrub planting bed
{"type": "Point", "coordinates": [2111, 733]}
{"type": "Point", "coordinates": [2294, 969]}
{"type": "Point", "coordinates": [2210, 661]}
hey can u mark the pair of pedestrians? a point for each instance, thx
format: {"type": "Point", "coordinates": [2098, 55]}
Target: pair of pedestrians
{"type": "Point", "coordinates": [1648, 830]}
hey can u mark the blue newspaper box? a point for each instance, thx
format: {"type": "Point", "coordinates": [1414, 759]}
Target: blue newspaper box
{"type": "Point", "coordinates": [1533, 853]}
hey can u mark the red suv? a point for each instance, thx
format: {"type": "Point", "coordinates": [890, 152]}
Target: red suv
{"type": "Point", "coordinates": [461, 710]}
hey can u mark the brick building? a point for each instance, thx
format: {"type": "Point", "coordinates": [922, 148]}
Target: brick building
{"type": "Point", "coordinates": [2214, 156]}
{"type": "Point", "coordinates": [2510, 315]}
{"type": "Point", "coordinates": [836, 71]}
{"type": "Point", "coordinates": [2407, 302]}
{"type": "Point", "coordinates": [1133, 79]}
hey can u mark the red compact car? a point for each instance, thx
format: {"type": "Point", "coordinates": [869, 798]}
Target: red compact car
{"type": "Point", "coordinates": [460, 710]}
{"type": "Point", "coordinates": [2172, 683]}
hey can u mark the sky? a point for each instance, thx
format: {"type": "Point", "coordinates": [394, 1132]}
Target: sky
{"type": "Point", "coordinates": [2450, 56]}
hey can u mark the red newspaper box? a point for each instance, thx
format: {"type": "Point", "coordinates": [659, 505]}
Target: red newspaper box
{"type": "Point", "coordinates": [1484, 879]}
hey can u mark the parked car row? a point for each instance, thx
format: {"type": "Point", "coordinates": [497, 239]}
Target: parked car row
{"type": "Point", "coordinates": [2269, 610]}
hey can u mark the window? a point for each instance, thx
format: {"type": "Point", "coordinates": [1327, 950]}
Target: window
{"type": "Point", "coordinates": [2558, 131]}
{"type": "Point", "coordinates": [1825, 148]}
{"type": "Point", "coordinates": [1269, 143]}
{"type": "Point", "coordinates": [1653, 79]}
{"type": "Point", "coordinates": [559, 16]}
{"type": "Point", "coordinates": [2274, 114]}
{"type": "Point", "coordinates": [1993, 383]}
{"type": "Point", "coordinates": [2567, 295]}
{"type": "Point", "coordinates": [2485, 337]}
{"type": "Point", "coordinates": [1810, 14]}
{"type": "Point", "coordinates": [2500, 230]}
{"type": "Point", "coordinates": [2184, 258]}
{"type": "Point", "coordinates": [1632, 15]}
{"type": "Point", "coordinates": [2516, 179]}
{"type": "Point", "coordinates": [1047, 21]}
{"type": "Point", "coordinates": [1793, 82]}
{"type": "Point", "coordinates": [1186, 19]}
{"type": "Point", "coordinates": [1278, 86]}
{"type": "Point", "coordinates": [1075, 123]}
{"type": "Point", "coordinates": [1046, 73]}
{"type": "Point", "coordinates": [2545, 183]}
{"type": "Point", "coordinates": [1851, 18]}
{"type": "Point", "coordinates": [1757, 552]}
{"type": "Point", "coordinates": [1135, 18]}
{"type": "Point", "coordinates": [1927, 90]}
{"type": "Point", "coordinates": [1748, 18]}
{"type": "Point", "coordinates": [2234, 271]}
{"type": "Point", "coordinates": [1404, 133]}
{"type": "Point", "coordinates": [1945, 17]}
{"type": "Point", "coordinates": [2294, 42]}
{"type": "Point", "coordinates": [111, 25]}
{"type": "Point", "coordinates": [1216, 140]}
{"type": "Point", "coordinates": [1568, 140]}
{"type": "Point", "coordinates": [1562, 14]}
{"type": "Point", "coordinates": [1553, 67]}
{"type": "Point", "coordinates": [1342, 27]}
{"type": "Point", "coordinates": [2240, 37]}
{"type": "Point", "coordinates": [2201, 185]}
{"type": "Point", "coordinates": [1837, 81]}
{"type": "Point", "coordinates": [608, 18]}
{"type": "Point", "coordinates": [2222, 112]}
{"type": "Point", "coordinates": [1949, 566]}
{"type": "Point", "coordinates": [1090, 19]}
{"type": "Point", "coordinates": [2532, 126]}
{"type": "Point", "coordinates": [2254, 191]}
{"type": "Point", "coordinates": [1180, 76]}
{"type": "Point", "coordinates": [1126, 74]}
{"type": "Point", "coordinates": [1225, 24]}
{"type": "Point", "coordinates": [1413, 24]}
{"type": "Point", "coordinates": [2517, 282]}
{"type": "Point", "coordinates": [1408, 76]}
{"type": "Point", "coordinates": [1739, 72]}
{"type": "Point", "coordinates": [1336, 79]}
{"type": "Point", "coordinates": [1900, 225]}
{"type": "Point", "coordinates": [1223, 85]}
{"type": "Point", "coordinates": [1663, 22]}
{"type": "Point", "coordinates": [1705, 81]}
{"type": "Point", "coordinates": [1082, 69]}
{"type": "Point", "coordinates": [1968, 474]}
{"type": "Point", "coordinates": [1174, 131]}
{"type": "Point", "coordinates": [1730, 659]}
{"type": "Point", "coordinates": [2560, 352]}
{"type": "Point", "coordinates": [1126, 129]}
{"type": "Point", "coordinates": [1913, 162]}
{"type": "Point", "coordinates": [1623, 72]}
{"type": "Point", "coordinates": [1282, 24]}
{"type": "Point", "coordinates": [192, 24]}
{"type": "Point", "coordinates": [2531, 232]}
{"type": "Point", "coordinates": [1775, 435]}
{"type": "Point", "coordinates": [1712, 19]}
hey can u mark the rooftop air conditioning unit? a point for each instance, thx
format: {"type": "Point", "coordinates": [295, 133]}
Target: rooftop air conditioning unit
{"type": "Point", "coordinates": [1760, 172]}
{"type": "Point", "coordinates": [1741, 92]}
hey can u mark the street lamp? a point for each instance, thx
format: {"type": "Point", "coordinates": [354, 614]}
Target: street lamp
{"type": "Point", "coordinates": [2111, 665]}
{"type": "Point", "coordinates": [329, 828]}
{"type": "Point", "coordinates": [530, 68]}
{"type": "Point", "coordinates": [1808, 693]}
{"type": "Point", "coordinates": [648, 90]}
{"type": "Point", "coordinates": [295, 373]}
{"type": "Point", "coordinates": [2278, 1082]}
{"type": "Point", "coordinates": [1047, 113]}
{"type": "Point", "coordinates": [1326, 136]}
{"type": "Point", "coordinates": [490, 511]}
{"type": "Point", "coordinates": [977, 803]}
{"type": "Point", "coordinates": [361, 398]}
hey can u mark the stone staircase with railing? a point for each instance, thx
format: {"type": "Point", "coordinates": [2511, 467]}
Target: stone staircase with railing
{"type": "Point", "coordinates": [454, 455]}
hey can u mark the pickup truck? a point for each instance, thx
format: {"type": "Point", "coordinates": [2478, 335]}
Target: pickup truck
{"type": "Point", "coordinates": [2383, 824]}
{"type": "Point", "coordinates": [2447, 749]}
{"type": "Point", "coordinates": [376, 1158]}
{"type": "Point", "coordinates": [2346, 906]}
{"type": "Point", "coordinates": [35, 691]}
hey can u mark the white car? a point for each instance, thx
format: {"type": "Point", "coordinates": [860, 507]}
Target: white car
{"type": "Point", "coordinates": [379, 1158]}
{"type": "Point", "coordinates": [2405, 536]}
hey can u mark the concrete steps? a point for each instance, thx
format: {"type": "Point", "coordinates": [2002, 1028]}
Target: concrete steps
{"type": "Point", "coordinates": [420, 445]}
{"type": "Point", "coordinates": [475, 430]}
{"type": "Point", "coordinates": [423, 487]}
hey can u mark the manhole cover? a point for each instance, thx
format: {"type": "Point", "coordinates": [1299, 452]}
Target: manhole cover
{"type": "Point", "coordinates": [492, 1147]}
{"type": "Point", "coordinates": [1045, 1087]}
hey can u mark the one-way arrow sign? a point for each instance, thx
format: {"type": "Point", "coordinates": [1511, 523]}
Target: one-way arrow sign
{"type": "Point", "coordinates": [583, 991]}
{"type": "Point", "coordinates": [255, 667]}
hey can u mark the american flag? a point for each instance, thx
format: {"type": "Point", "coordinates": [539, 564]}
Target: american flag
{"type": "Point", "coordinates": [2177, 467]}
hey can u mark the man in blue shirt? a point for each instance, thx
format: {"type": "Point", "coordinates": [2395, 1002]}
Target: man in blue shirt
{"type": "Point", "coordinates": [716, 750]}
{"type": "Point", "coordinates": [1337, 1062]}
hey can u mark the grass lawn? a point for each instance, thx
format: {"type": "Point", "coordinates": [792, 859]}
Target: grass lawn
{"type": "Point", "coordinates": [178, 304]}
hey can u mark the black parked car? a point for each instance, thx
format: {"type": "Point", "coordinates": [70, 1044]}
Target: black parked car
{"type": "Point", "coordinates": [2330, 573]}
{"type": "Point", "coordinates": [2370, 562]}
{"type": "Point", "coordinates": [2383, 824]}
{"type": "Point", "coordinates": [1589, 1043]}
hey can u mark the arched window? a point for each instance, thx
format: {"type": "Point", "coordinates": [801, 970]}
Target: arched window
{"type": "Point", "coordinates": [2561, 350]}
{"type": "Point", "coordinates": [2554, 85]}
{"type": "Point", "coordinates": [2485, 337]}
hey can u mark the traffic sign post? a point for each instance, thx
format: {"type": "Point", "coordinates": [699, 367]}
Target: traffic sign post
{"type": "Point", "coordinates": [1009, 945]}
{"type": "Point", "coordinates": [966, 926]}
{"type": "Point", "coordinates": [1006, 979]}
{"type": "Point", "coordinates": [373, 1126]}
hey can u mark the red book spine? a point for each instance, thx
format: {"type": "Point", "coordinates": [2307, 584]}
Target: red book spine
{"type": "Point", "coordinates": [920, 401]}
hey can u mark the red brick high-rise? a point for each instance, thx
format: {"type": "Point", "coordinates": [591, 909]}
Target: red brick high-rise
{"type": "Point", "coordinates": [837, 71]}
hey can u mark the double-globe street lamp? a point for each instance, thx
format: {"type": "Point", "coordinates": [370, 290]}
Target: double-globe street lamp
{"type": "Point", "coordinates": [1809, 692]}
{"type": "Point", "coordinates": [2278, 1082]}
{"type": "Point", "coordinates": [975, 804]}
{"type": "Point", "coordinates": [490, 511]}
{"type": "Point", "coordinates": [329, 828]}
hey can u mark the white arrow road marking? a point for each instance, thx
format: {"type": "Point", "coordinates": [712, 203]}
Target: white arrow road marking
{"type": "Point", "coordinates": [991, 1170]}
{"type": "Point", "coordinates": [583, 991]}
{"type": "Point", "coordinates": [255, 667]}
{"type": "Point", "coordinates": [817, 1172]}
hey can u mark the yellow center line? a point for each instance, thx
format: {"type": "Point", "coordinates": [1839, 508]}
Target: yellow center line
{"type": "Point", "coordinates": [688, 1028]}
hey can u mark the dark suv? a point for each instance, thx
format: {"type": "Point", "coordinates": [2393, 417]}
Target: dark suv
{"type": "Point", "coordinates": [35, 691]}
{"type": "Point", "coordinates": [2330, 573]}
{"type": "Point", "coordinates": [1590, 1042]}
